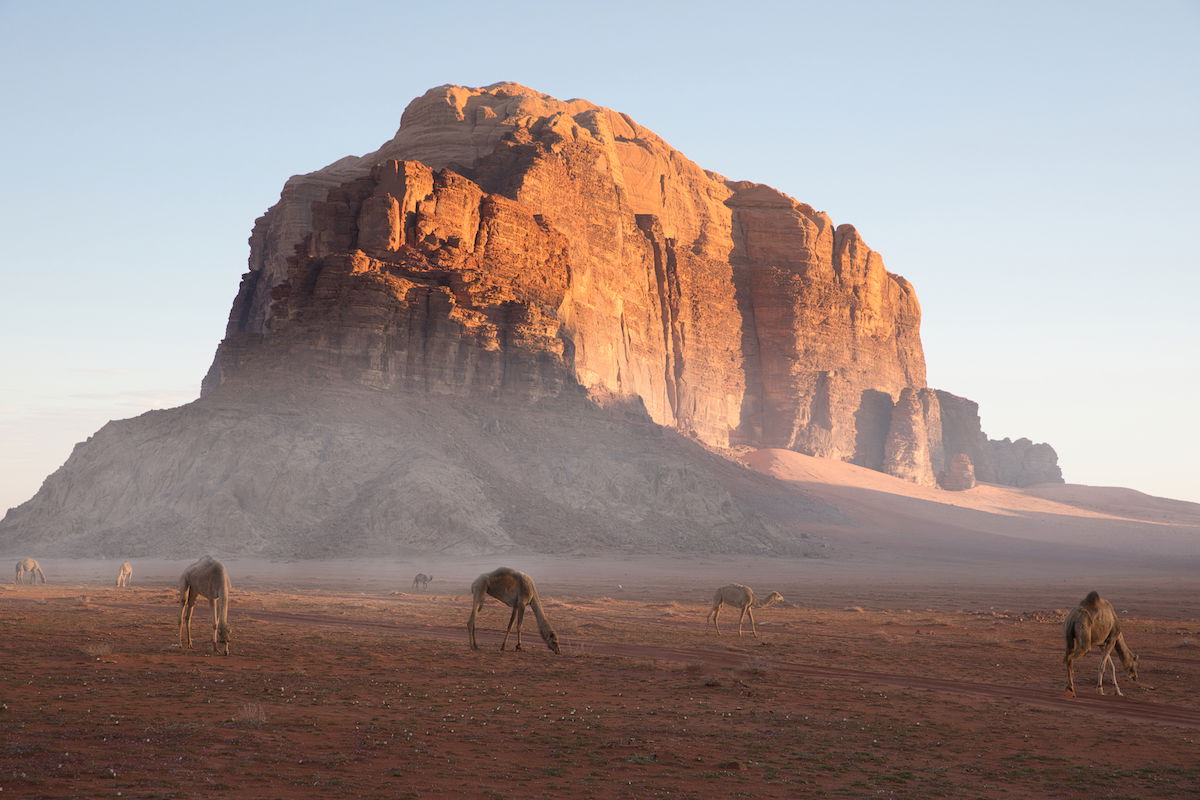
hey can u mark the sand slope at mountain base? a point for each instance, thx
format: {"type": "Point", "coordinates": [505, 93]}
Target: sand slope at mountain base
{"type": "Point", "coordinates": [897, 518]}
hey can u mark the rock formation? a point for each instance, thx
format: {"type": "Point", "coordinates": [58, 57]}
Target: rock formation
{"type": "Point", "coordinates": [960, 474]}
{"type": "Point", "coordinates": [508, 248]}
{"type": "Point", "coordinates": [1023, 463]}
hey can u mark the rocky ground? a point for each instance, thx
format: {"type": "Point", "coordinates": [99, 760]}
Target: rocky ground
{"type": "Point", "coordinates": [343, 680]}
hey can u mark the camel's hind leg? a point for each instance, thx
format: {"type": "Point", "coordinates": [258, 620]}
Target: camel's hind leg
{"type": "Point", "coordinates": [216, 619]}
{"type": "Point", "coordinates": [475, 609]}
{"type": "Point", "coordinates": [716, 612]}
{"type": "Point", "coordinates": [520, 622]}
{"type": "Point", "coordinates": [1069, 660]}
{"type": "Point", "coordinates": [511, 618]}
{"type": "Point", "coordinates": [185, 622]}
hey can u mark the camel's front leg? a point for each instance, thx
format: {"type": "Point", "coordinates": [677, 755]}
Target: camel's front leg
{"type": "Point", "coordinates": [1113, 665]}
{"type": "Point", "coordinates": [511, 619]}
{"type": "Point", "coordinates": [1105, 660]}
{"type": "Point", "coordinates": [753, 626]}
{"type": "Point", "coordinates": [742, 617]}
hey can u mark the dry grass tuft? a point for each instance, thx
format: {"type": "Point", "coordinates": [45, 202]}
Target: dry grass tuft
{"type": "Point", "coordinates": [251, 715]}
{"type": "Point", "coordinates": [755, 667]}
{"type": "Point", "coordinates": [97, 650]}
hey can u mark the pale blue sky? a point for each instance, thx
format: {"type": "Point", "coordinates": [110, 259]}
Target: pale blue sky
{"type": "Point", "coordinates": [1031, 167]}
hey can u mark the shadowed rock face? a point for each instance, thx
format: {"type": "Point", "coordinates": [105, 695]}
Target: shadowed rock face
{"type": "Point", "coordinates": [506, 250]}
{"type": "Point", "coordinates": [310, 472]}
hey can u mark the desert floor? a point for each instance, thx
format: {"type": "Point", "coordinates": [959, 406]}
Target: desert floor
{"type": "Point", "coordinates": [343, 681]}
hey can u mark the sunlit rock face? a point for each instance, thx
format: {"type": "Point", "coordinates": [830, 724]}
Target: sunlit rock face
{"type": "Point", "coordinates": [505, 243]}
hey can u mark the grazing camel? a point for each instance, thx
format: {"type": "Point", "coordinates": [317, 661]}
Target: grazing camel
{"type": "Point", "coordinates": [1094, 623]}
{"type": "Point", "coordinates": [421, 580]}
{"type": "Point", "coordinates": [206, 578]}
{"type": "Point", "coordinates": [125, 574]}
{"type": "Point", "coordinates": [739, 596]}
{"type": "Point", "coordinates": [30, 567]}
{"type": "Point", "coordinates": [514, 589]}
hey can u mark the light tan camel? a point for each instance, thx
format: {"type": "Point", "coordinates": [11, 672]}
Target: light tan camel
{"type": "Point", "coordinates": [421, 580]}
{"type": "Point", "coordinates": [30, 567]}
{"type": "Point", "coordinates": [739, 596]}
{"type": "Point", "coordinates": [206, 578]}
{"type": "Point", "coordinates": [514, 589]}
{"type": "Point", "coordinates": [1094, 623]}
{"type": "Point", "coordinates": [126, 573]}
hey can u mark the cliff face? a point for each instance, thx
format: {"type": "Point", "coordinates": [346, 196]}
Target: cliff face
{"type": "Point", "coordinates": [506, 243]}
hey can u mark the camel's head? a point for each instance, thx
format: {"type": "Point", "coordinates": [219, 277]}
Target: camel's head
{"type": "Point", "coordinates": [1132, 668]}
{"type": "Point", "coordinates": [221, 637]}
{"type": "Point", "coordinates": [551, 641]}
{"type": "Point", "coordinates": [775, 597]}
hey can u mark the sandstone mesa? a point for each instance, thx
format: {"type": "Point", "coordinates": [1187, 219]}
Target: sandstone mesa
{"type": "Point", "coordinates": [522, 314]}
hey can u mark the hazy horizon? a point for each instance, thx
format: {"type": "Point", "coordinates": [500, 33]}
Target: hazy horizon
{"type": "Point", "coordinates": [1034, 182]}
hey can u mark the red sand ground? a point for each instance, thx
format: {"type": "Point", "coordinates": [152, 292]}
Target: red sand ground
{"type": "Point", "coordinates": [866, 683]}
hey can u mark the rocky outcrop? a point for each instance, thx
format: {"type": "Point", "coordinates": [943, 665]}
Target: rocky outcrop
{"type": "Point", "coordinates": [1023, 463]}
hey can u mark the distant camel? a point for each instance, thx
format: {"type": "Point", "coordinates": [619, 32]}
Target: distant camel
{"type": "Point", "coordinates": [125, 574]}
{"type": "Point", "coordinates": [206, 578]}
{"type": "Point", "coordinates": [421, 580]}
{"type": "Point", "coordinates": [514, 589]}
{"type": "Point", "coordinates": [1094, 623]}
{"type": "Point", "coordinates": [739, 596]}
{"type": "Point", "coordinates": [30, 567]}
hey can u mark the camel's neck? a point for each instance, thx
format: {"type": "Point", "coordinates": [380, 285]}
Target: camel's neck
{"type": "Point", "coordinates": [223, 607]}
{"type": "Point", "coordinates": [1123, 652]}
{"type": "Point", "coordinates": [535, 605]}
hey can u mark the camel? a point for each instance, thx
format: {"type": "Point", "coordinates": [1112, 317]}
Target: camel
{"type": "Point", "coordinates": [30, 567]}
{"type": "Point", "coordinates": [125, 574]}
{"type": "Point", "coordinates": [1094, 623]}
{"type": "Point", "coordinates": [421, 580]}
{"type": "Point", "coordinates": [739, 596]}
{"type": "Point", "coordinates": [514, 589]}
{"type": "Point", "coordinates": [206, 578]}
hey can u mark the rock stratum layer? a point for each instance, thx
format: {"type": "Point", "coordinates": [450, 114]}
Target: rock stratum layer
{"type": "Point", "coordinates": [509, 248]}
